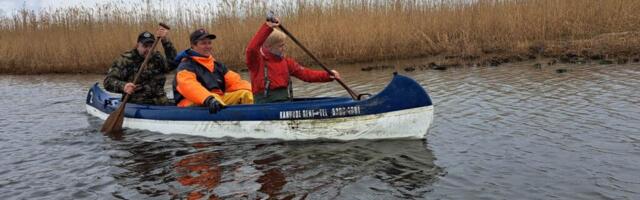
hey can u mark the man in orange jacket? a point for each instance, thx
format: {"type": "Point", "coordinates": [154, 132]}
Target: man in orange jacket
{"type": "Point", "coordinates": [203, 81]}
{"type": "Point", "coordinates": [271, 71]}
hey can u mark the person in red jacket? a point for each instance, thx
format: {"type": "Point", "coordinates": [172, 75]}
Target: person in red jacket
{"type": "Point", "coordinates": [203, 81]}
{"type": "Point", "coordinates": [270, 70]}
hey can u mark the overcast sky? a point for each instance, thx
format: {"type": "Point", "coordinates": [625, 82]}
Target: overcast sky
{"type": "Point", "coordinates": [9, 6]}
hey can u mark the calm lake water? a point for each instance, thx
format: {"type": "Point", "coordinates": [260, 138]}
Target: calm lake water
{"type": "Point", "coordinates": [508, 132]}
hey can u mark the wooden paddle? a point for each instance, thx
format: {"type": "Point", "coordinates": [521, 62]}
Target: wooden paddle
{"type": "Point", "coordinates": [113, 124]}
{"type": "Point", "coordinates": [353, 94]}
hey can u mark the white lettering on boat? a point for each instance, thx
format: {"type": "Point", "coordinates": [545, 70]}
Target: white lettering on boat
{"type": "Point", "coordinates": [320, 113]}
{"type": "Point", "coordinates": [345, 111]}
{"type": "Point", "coordinates": [302, 114]}
{"type": "Point", "coordinates": [90, 97]}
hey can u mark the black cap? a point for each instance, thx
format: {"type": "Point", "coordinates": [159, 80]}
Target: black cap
{"type": "Point", "coordinates": [146, 37]}
{"type": "Point", "coordinates": [199, 35]}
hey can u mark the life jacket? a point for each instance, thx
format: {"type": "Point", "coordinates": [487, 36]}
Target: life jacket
{"type": "Point", "coordinates": [212, 81]}
{"type": "Point", "coordinates": [200, 77]}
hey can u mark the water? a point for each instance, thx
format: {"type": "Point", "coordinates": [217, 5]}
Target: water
{"type": "Point", "coordinates": [509, 132]}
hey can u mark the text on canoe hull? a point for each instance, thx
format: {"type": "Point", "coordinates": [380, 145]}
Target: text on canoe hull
{"type": "Point", "coordinates": [320, 113]}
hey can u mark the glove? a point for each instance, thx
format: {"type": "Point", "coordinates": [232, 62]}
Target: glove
{"type": "Point", "coordinates": [213, 104]}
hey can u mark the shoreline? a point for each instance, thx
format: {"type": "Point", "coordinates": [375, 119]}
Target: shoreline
{"type": "Point", "coordinates": [605, 49]}
{"type": "Point", "coordinates": [442, 63]}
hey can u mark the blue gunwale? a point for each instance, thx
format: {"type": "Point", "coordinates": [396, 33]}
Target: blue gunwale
{"type": "Point", "coordinates": [401, 93]}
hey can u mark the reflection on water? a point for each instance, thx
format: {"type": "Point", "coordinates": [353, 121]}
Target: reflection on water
{"type": "Point", "coordinates": [510, 132]}
{"type": "Point", "coordinates": [257, 169]}
{"type": "Point", "coordinates": [201, 172]}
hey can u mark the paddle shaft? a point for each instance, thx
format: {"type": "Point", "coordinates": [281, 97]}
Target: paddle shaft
{"type": "Point", "coordinates": [353, 94]}
{"type": "Point", "coordinates": [113, 123]}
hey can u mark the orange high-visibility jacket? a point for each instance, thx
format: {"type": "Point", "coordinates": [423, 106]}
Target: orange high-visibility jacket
{"type": "Point", "coordinates": [199, 77]}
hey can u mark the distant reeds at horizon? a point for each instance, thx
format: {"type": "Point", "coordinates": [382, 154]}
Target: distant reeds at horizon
{"type": "Point", "coordinates": [86, 40]}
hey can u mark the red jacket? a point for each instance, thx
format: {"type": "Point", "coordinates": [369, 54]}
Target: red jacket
{"type": "Point", "coordinates": [279, 68]}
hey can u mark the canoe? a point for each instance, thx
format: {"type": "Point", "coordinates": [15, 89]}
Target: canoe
{"type": "Point", "coordinates": [402, 110]}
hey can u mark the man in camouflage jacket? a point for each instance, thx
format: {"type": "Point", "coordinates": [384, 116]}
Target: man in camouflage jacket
{"type": "Point", "coordinates": [150, 86]}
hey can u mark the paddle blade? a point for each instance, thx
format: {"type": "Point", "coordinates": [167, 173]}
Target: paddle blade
{"type": "Point", "coordinates": [113, 124]}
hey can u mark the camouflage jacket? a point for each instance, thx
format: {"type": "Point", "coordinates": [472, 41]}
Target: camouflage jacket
{"type": "Point", "coordinates": [152, 79]}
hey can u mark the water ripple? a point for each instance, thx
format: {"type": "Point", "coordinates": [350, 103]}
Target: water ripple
{"type": "Point", "coordinates": [512, 132]}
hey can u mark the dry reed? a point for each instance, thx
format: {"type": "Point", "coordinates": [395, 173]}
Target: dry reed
{"type": "Point", "coordinates": [87, 39]}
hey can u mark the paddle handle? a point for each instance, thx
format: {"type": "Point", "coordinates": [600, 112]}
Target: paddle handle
{"type": "Point", "coordinates": [165, 26]}
{"type": "Point", "coordinates": [353, 94]}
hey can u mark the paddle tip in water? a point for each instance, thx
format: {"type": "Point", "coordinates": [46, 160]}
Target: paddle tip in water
{"type": "Point", "coordinates": [113, 123]}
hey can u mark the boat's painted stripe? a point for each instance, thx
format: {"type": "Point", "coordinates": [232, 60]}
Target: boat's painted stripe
{"type": "Point", "coordinates": [408, 123]}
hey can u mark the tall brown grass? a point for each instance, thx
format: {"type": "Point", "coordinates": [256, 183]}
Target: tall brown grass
{"type": "Point", "coordinates": [87, 39]}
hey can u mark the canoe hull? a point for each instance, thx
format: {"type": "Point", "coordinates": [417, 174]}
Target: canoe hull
{"type": "Point", "coordinates": [402, 110]}
{"type": "Point", "coordinates": [377, 126]}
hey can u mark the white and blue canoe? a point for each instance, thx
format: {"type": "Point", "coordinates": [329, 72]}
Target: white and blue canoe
{"type": "Point", "coordinates": [402, 110]}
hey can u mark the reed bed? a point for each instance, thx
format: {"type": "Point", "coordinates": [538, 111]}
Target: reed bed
{"type": "Point", "coordinates": [87, 39]}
